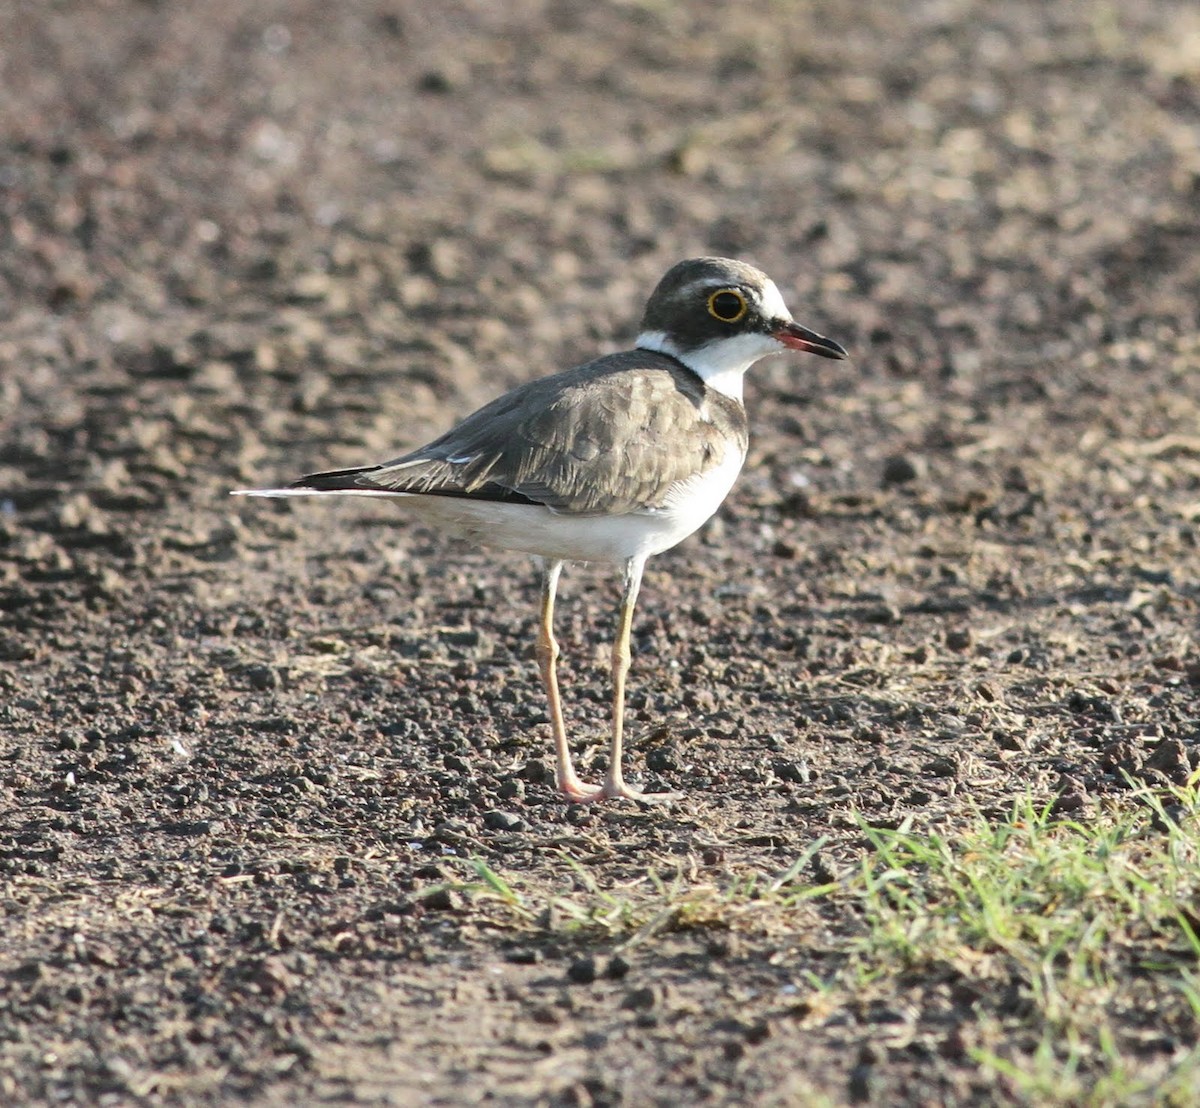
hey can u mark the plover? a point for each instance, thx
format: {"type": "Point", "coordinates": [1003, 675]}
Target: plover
{"type": "Point", "coordinates": [611, 461]}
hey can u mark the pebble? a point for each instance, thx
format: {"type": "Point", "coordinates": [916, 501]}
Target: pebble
{"type": "Point", "coordinates": [511, 789]}
{"type": "Point", "coordinates": [640, 1000]}
{"type": "Point", "coordinates": [582, 971]}
{"type": "Point", "coordinates": [960, 639]}
{"type": "Point", "coordinates": [442, 900]}
{"type": "Point", "coordinates": [497, 820]}
{"type": "Point", "coordinates": [899, 469]}
{"type": "Point", "coordinates": [797, 772]}
{"type": "Point", "coordinates": [262, 678]}
{"type": "Point", "coordinates": [617, 967]}
{"type": "Point", "coordinates": [1170, 758]}
{"type": "Point", "coordinates": [662, 759]}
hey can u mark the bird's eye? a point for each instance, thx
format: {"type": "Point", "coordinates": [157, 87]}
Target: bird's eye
{"type": "Point", "coordinates": [727, 305]}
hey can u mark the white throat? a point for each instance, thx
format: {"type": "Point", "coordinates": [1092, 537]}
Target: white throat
{"type": "Point", "coordinates": [720, 364]}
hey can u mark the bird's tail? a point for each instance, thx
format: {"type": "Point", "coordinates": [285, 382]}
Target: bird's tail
{"type": "Point", "coordinates": [341, 482]}
{"type": "Point", "coordinates": [338, 480]}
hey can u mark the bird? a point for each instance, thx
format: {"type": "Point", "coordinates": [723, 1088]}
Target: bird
{"type": "Point", "coordinates": [612, 461]}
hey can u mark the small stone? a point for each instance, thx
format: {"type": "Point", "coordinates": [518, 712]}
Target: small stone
{"type": "Point", "coordinates": [758, 1032]}
{"type": "Point", "coordinates": [989, 691]}
{"type": "Point", "coordinates": [1072, 797]}
{"type": "Point", "coordinates": [639, 1000]}
{"type": "Point", "coordinates": [718, 947]}
{"type": "Point", "coordinates": [442, 900]}
{"type": "Point", "coordinates": [497, 820]}
{"type": "Point", "coordinates": [899, 469]}
{"type": "Point", "coordinates": [617, 967]}
{"type": "Point", "coordinates": [796, 772]}
{"type": "Point", "coordinates": [700, 698]}
{"type": "Point", "coordinates": [1122, 757]}
{"type": "Point", "coordinates": [858, 1088]}
{"type": "Point", "coordinates": [460, 636]}
{"type": "Point", "coordinates": [661, 759]}
{"type": "Point", "coordinates": [1170, 758]}
{"type": "Point", "coordinates": [512, 789]}
{"type": "Point", "coordinates": [1068, 802]}
{"type": "Point", "coordinates": [262, 678]}
{"type": "Point", "coordinates": [311, 286]}
{"type": "Point", "coordinates": [537, 771]}
{"type": "Point", "coordinates": [581, 815]}
{"type": "Point", "coordinates": [942, 767]}
{"type": "Point", "coordinates": [582, 971]}
{"type": "Point", "coordinates": [73, 513]}
{"type": "Point", "coordinates": [458, 764]}
{"type": "Point", "coordinates": [449, 76]}
{"type": "Point", "coordinates": [28, 973]}
{"type": "Point", "coordinates": [960, 639]}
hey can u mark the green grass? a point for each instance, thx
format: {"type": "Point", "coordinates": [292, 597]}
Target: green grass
{"type": "Point", "coordinates": [1073, 945]}
{"type": "Point", "coordinates": [1088, 932]}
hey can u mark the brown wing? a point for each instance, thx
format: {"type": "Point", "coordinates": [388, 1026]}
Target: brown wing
{"type": "Point", "coordinates": [610, 437]}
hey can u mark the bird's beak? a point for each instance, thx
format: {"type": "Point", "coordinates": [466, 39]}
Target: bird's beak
{"type": "Point", "coordinates": [795, 337]}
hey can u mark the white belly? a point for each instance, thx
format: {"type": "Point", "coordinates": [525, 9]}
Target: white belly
{"type": "Point", "coordinates": [536, 530]}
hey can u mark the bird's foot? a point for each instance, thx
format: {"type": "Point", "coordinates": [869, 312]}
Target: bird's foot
{"type": "Point", "coordinates": [577, 792]}
{"type": "Point", "coordinates": [612, 789]}
{"type": "Point", "coordinates": [620, 791]}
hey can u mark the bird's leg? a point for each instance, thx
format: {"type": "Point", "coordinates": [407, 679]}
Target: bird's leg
{"type": "Point", "coordinates": [614, 781]}
{"type": "Point", "coordinates": [547, 653]}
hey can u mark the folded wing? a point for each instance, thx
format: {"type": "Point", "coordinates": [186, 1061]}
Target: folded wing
{"type": "Point", "coordinates": [607, 438]}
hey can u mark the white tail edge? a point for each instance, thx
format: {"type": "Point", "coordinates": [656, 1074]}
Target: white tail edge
{"type": "Point", "coordinates": [281, 493]}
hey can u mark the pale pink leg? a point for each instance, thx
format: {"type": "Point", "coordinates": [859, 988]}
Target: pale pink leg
{"type": "Point", "coordinates": [614, 781]}
{"type": "Point", "coordinates": [547, 652]}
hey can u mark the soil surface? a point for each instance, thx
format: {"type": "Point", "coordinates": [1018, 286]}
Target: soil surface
{"type": "Point", "coordinates": [246, 749]}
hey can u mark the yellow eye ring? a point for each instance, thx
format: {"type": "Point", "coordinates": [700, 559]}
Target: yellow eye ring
{"type": "Point", "coordinates": [727, 305]}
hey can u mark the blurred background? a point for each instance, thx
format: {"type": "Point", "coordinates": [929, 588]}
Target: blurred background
{"type": "Point", "coordinates": [462, 195]}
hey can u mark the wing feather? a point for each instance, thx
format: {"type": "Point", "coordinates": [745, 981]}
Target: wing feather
{"type": "Point", "coordinates": [607, 438]}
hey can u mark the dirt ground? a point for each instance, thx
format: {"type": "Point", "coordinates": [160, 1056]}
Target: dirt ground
{"type": "Point", "coordinates": [246, 747]}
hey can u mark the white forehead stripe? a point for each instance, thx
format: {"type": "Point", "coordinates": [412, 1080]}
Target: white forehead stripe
{"type": "Point", "coordinates": [770, 299]}
{"type": "Point", "coordinates": [773, 306]}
